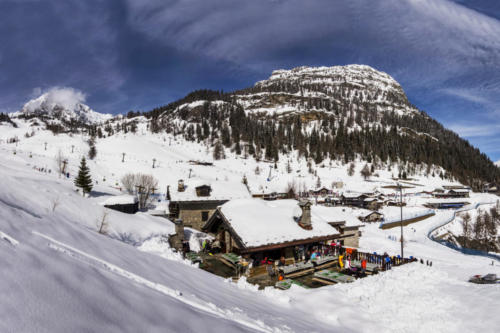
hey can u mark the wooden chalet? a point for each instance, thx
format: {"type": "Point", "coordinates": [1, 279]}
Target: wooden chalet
{"type": "Point", "coordinates": [353, 199]}
{"type": "Point", "coordinates": [372, 216]}
{"type": "Point", "coordinates": [453, 193]}
{"type": "Point", "coordinates": [322, 192]}
{"type": "Point", "coordinates": [260, 229]}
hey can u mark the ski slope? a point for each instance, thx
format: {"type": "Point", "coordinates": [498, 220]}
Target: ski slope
{"type": "Point", "coordinates": [59, 274]}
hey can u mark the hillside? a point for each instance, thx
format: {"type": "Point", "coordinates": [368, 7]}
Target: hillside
{"type": "Point", "coordinates": [323, 114]}
{"type": "Point", "coordinates": [61, 274]}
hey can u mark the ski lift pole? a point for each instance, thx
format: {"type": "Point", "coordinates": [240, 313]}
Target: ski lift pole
{"type": "Point", "coordinates": [401, 207]}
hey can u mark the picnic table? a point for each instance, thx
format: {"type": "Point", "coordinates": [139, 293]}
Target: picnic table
{"type": "Point", "coordinates": [324, 261]}
{"type": "Point", "coordinates": [230, 259]}
{"type": "Point", "coordinates": [287, 283]}
{"type": "Point", "coordinates": [327, 276]}
{"type": "Point", "coordinates": [298, 269]}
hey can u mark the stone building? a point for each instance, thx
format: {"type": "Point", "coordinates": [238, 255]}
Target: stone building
{"type": "Point", "coordinates": [195, 201]}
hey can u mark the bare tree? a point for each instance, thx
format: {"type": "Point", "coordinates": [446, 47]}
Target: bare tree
{"type": "Point", "coordinates": [102, 224]}
{"type": "Point", "coordinates": [129, 182]}
{"type": "Point", "coordinates": [146, 185]}
{"type": "Point", "coordinates": [467, 228]}
{"type": "Point", "coordinates": [60, 162]}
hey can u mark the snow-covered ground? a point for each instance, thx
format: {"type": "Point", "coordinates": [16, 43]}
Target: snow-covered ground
{"type": "Point", "coordinates": [59, 274]}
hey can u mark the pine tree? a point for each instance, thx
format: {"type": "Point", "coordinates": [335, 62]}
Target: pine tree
{"type": "Point", "coordinates": [365, 172]}
{"type": "Point", "coordinates": [83, 179]}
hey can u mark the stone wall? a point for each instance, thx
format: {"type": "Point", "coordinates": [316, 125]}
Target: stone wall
{"type": "Point", "coordinates": [351, 240]}
{"type": "Point", "coordinates": [193, 218]}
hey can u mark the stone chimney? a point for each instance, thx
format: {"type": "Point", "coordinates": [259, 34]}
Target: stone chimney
{"type": "Point", "coordinates": [305, 219]}
{"type": "Point", "coordinates": [177, 240]}
{"type": "Point", "coordinates": [180, 186]}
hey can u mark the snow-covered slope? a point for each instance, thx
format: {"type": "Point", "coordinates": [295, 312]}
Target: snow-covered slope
{"type": "Point", "coordinates": [497, 163]}
{"type": "Point", "coordinates": [63, 103]}
{"type": "Point", "coordinates": [58, 274]}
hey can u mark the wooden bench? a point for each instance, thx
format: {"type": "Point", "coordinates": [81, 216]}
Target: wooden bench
{"type": "Point", "coordinates": [330, 277]}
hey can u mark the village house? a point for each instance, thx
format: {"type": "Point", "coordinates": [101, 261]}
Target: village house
{"type": "Point", "coordinates": [128, 204]}
{"type": "Point", "coordinates": [321, 192]}
{"type": "Point", "coordinates": [260, 229]}
{"type": "Point", "coordinates": [453, 193]}
{"type": "Point", "coordinates": [360, 200]}
{"type": "Point", "coordinates": [353, 199]}
{"type": "Point", "coordinates": [195, 202]}
{"type": "Point", "coordinates": [490, 188]}
{"type": "Point", "coordinates": [371, 216]}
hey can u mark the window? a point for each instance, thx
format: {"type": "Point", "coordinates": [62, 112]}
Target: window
{"type": "Point", "coordinates": [204, 216]}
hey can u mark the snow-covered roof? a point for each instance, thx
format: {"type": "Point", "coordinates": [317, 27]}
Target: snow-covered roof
{"type": "Point", "coordinates": [259, 222]}
{"type": "Point", "coordinates": [220, 190]}
{"type": "Point", "coordinates": [120, 200]}
{"type": "Point", "coordinates": [460, 190]}
{"type": "Point", "coordinates": [336, 214]}
{"type": "Point", "coordinates": [352, 195]}
{"type": "Point", "coordinates": [447, 200]}
{"type": "Point", "coordinates": [160, 209]}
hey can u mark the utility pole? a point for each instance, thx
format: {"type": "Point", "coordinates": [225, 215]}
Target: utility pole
{"type": "Point", "coordinates": [401, 207]}
{"type": "Point", "coordinates": [45, 145]}
{"type": "Point", "coordinates": [190, 173]}
{"type": "Point", "coordinates": [123, 157]}
{"type": "Point", "coordinates": [270, 169]}
{"type": "Point", "coordinates": [72, 148]}
{"type": "Point", "coordinates": [154, 160]}
{"type": "Point", "coordinates": [64, 166]}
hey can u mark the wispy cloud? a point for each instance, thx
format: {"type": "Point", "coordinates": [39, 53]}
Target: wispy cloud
{"type": "Point", "coordinates": [478, 130]}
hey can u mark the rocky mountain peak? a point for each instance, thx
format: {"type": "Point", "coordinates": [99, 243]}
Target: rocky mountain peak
{"type": "Point", "coordinates": [64, 104]}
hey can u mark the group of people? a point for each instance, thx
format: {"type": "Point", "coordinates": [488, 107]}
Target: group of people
{"type": "Point", "coordinates": [209, 246]}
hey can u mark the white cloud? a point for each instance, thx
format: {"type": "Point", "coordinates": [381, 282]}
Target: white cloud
{"type": "Point", "coordinates": [442, 37]}
{"type": "Point", "coordinates": [470, 131]}
{"type": "Point", "coordinates": [63, 96]}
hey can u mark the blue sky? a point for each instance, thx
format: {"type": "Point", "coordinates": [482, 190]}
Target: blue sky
{"type": "Point", "coordinates": [135, 55]}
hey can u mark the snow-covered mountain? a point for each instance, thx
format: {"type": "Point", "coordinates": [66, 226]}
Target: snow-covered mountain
{"type": "Point", "coordinates": [497, 163]}
{"type": "Point", "coordinates": [64, 104]}
{"type": "Point", "coordinates": [326, 89]}
{"type": "Point", "coordinates": [59, 274]}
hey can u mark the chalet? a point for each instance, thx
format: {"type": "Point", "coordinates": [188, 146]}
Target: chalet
{"type": "Point", "coordinates": [281, 228]}
{"type": "Point", "coordinates": [371, 216]}
{"type": "Point", "coordinates": [372, 203]}
{"type": "Point", "coordinates": [353, 199]}
{"type": "Point", "coordinates": [491, 188]}
{"type": "Point", "coordinates": [322, 192]}
{"type": "Point", "coordinates": [196, 201]}
{"type": "Point", "coordinates": [445, 203]}
{"type": "Point", "coordinates": [123, 203]}
{"type": "Point", "coordinates": [453, 193]}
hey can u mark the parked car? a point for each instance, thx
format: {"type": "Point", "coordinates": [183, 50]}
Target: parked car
{"type": "Point", "coordinates": [485, 279]}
